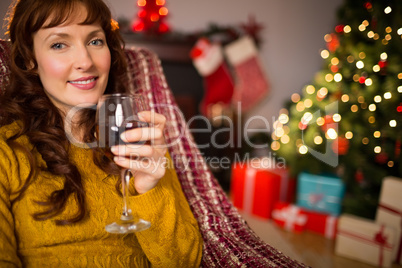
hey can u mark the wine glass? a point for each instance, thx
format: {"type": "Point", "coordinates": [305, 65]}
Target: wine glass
{"type": "Point", "coordinates": [115, 114]}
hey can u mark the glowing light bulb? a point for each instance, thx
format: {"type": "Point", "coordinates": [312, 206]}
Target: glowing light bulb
{"type": "Point", "coordinates": [377, 134]}
{"type": "Point", "coordinates": [387, 10]}
{"type": "Point", "coordinates": [310, 89]}
{"type": "Point", "coordinates": [392, 123]}
{"type": "Point", "coordinates": [345, 98]}
{"type": "Point", "coordinates": [303, 149]}
{"type": "Point", "coordinates": [334, 61]}
{"type": "Point", "coordinates": [307, 118]}
{"type": "Point", "coordinates": [360, 64]}
{"type": "Point", "coordinates": [377, 149]}
{"type": "Point", "coordinates": [295, 97]}
{"type": "Point", "coordinates": [388, 37]}
{"type": "Point", "coordinates": [337, 77]}
{"type": "Point", "coordinates": [370, 34]}
{"type": "Point", "coordinates": [331, 134]}
{"type": "Point", "coordinates": [347, 29]}
{"type": "Point", "coordinates": [336, 118]}
{"type": "Point", "coordinates": [376, 68]}
{"type": "Point", "coordinates": [349, 135]}
{"type": "Point", "coordinates": [372, 107]}
{"type": "Point", "coordinates": [329, 77]}
{"type": "Point", "coordinates": [283, 118]}
{"type": "Point", "coordinates": [279, 132]}
{"type": "Point", "coordinates": [275, 145]}
{"type": "Point", "coordinates": [318, 140]}
{"type": "Point", "coordinates": [387, 95]}
{"type": "Point", "coordinates": [300, 106]}
{"type": "Point", "coordinates": [368, 82]}
{"type": "Point", "coordinates": [308, 103]}
{"type": "Point", "coordinates": [322, 92]}
{"type": "Point", "coordinates": [163, 11]}
{"type": "Point", "coordinates": [324, 54]}
{"type": "Point", "coordinates": [377, 99]}
{"type": "Point", "coordinates": [285, 139]}
{"type": "Point", "coordinates": [383, 56]}
{"type": "Point", "coordinates": [320, 121]}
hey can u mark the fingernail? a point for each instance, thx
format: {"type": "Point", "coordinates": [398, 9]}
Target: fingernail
{"type": "Point", "coordinates": [123, 137]}
{"type": "Point", "coordinates": [114, 149]}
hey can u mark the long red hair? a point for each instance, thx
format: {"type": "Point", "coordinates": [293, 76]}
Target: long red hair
{"type": "Point", "coordinates": [25, 100]}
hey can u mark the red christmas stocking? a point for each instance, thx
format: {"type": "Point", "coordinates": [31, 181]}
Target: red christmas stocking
{"type": "Point", "coordinates": [251, 84]}
{"type": "Point", "coordinates": [209, 62]}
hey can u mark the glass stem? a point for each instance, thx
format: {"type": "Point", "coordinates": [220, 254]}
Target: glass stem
{"type": "Point", "coordinates": [125, 182]}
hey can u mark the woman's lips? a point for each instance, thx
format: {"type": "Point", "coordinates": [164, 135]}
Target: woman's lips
{"type": "Point", "coordinates": [84, 83]}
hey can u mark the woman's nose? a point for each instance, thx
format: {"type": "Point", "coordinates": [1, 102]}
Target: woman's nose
{"type": "Point", "coordinates": [82, 58]}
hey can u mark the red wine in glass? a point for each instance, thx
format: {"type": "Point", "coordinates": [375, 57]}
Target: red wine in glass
{"type": "Point", "coordinates": [115, 114]}
{"type": "Point", "coordinates": [113, 135]}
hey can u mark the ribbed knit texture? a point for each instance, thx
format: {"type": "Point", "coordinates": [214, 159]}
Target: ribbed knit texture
{"type": "Point", "coordinates": [173, 240]}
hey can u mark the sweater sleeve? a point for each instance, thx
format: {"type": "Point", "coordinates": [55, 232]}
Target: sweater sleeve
{"type": "Point", "coordinates": [8, 241]}
{"type": "Point", "coordinates": [174, 239]}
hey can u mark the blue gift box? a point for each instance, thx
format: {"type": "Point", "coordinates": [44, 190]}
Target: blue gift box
{"type": "Point", "coordinates": [320, 193]}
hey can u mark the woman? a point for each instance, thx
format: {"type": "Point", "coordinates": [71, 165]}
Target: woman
{"type": "Point", "coordinates": [56, 198]}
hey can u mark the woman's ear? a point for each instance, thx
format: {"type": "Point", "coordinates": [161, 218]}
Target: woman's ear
{"type": "Point", "coordinates": [31, 66]}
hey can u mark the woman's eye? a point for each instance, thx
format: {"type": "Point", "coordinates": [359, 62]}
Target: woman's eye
{"type": "Point", "coordinates": [57, 46]}
{"type": "Point", "coordinates": [97, 42]}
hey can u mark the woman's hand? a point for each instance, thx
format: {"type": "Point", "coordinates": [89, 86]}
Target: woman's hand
{"type": "Point", "coordinates": [146, 159]}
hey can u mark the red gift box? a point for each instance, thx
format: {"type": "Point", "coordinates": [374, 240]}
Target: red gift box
{"type": "Point", "coordinates": [254, 190]}
{"type": "Point", "coordinates": [289, 217]}
{"type": "Point", "coordinates": [321, 223]}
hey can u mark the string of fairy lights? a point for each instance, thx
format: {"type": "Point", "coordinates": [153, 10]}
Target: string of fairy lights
{"type": "Point", "coordinates": [281, 134]}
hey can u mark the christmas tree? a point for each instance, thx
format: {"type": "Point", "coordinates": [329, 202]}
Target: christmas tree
{"type": "Point", "coordinates": [151, 17]}
{"type": "Point", "coordinates": [348, 121]}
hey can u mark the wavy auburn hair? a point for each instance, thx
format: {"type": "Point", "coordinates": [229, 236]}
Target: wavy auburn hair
{"type": "Point", "coordinates": [25, 99]}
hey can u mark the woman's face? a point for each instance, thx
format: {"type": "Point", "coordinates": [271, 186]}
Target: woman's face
{"type": "Point", "coordinates": [73, 61]}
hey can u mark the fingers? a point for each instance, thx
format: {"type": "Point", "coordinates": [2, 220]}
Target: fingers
{"type": "Point", "coordinates": [152, 117]}
{"type": "Point", "coordinates": [154, 168]}
{"type": "Point", "coordinates": [137, 151]}
{"type": "Point", "coordinates": [154, 133]}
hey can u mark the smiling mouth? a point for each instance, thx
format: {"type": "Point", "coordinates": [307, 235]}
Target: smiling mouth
{"type": "Point", "coordinates": [83, 82]}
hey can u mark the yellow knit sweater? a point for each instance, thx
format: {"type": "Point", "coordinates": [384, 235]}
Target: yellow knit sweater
{"type": "Point", "coordinates": [173, 240]}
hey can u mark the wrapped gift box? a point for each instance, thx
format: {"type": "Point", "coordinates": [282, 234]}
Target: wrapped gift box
{"type": "Point", "coordinates": [289, 217]}
{"type": "Point", "coordinates": [254, 190]}
{"type": "Point", "coordinates": [364, 240]}
{"type": "Point", "coordinates": [287, 183]}
{"type": "Point", "coordinates": [389, 211]}
{"type": "Point", "coordinates": [321, 223]}
{"type": "Point", "coordinates": [320, 193]}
